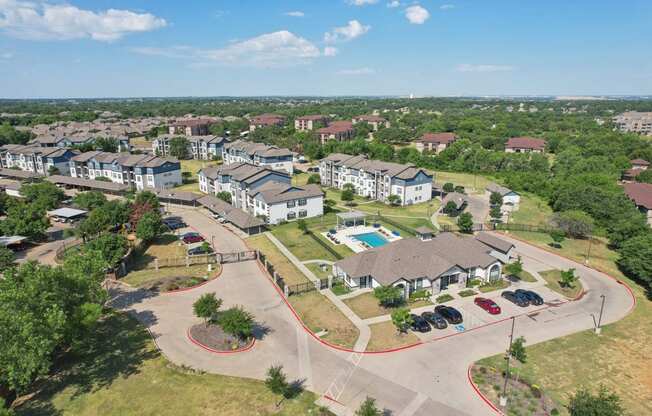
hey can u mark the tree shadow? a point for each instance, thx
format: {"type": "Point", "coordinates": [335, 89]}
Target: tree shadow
{"type": "Point", "coordinates": [295, 388]}
{"type": "Point", "coordinates": [261, 330]}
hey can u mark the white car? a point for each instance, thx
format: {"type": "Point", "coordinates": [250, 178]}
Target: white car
{"type": "Point", "coordinates": [221, 220]}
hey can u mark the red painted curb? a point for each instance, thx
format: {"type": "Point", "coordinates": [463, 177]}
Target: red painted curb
{"type": "Point", "coordinates": [327, 397]}
{"type": "Point", "coordinates": [479, 393]}
{"type": "Point", "coordinates": [214, 351]}
{"type": "Point", "coordinates": [186, 289]}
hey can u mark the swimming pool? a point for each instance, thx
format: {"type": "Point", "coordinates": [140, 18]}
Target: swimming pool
{"type": "Point", "coordinates": [374, 239]}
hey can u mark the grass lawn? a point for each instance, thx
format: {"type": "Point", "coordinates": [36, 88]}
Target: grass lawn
{"type": "Point", "coordinates": [552, 278]}
{"type": "Point", "coordinates": [385, 336]}
{"type": "Point", "coordinates": [532, 210]}
{"type": "Point", "coordinates": [497, 285]}
{"type": "Point", "coordinates": [366, 305]}
{"type": "Point", "coordinates": [194, 165]}
{"type": "Point", "coordinates": [301, 178]}
{"type": "Point", "coordinates": [526, 277]}
{"type": "Point", "coordinates": [618, 358]}
{"type": "Point", "coordinates": [469, 181]}
{"type": "Point", "coordinates": [290, 274]}
{"type": "Point", "coordinates": [118, 371]}
{"type": "Point", "coordinates": [314, 267]}
{"type": "Point", "coordinates": [422, 210]}
{"type": "Point", "coordinates": [188, 187]}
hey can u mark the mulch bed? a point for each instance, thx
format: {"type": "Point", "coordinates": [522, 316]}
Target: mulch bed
{"type": "Point", "coordinates": [179, 282]}
{"type": "Point", "coordinates": [213, 336]}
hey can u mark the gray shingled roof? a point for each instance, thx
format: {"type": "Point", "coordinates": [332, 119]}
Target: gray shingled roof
{"type": "Point", "coordinates": [458, 198]}
{"type": "Point", "coordinates": [360, 162]}
{"type": "Point", "coordinates": [494, 187]}
{"type": "Point", "coordinates": [494, 242]}
{"type": "Point", "coordinates": [277, 192]}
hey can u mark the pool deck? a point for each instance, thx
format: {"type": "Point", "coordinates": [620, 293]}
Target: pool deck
{"type": "Point", "coordinates": [345, 236]}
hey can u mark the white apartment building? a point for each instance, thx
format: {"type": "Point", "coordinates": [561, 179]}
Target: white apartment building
{"type": "Point", "coordinates": [376, 179]}
{"type": "Point", "coordinates": [36, 159]}
{"type": "Point", "coordinates": [258, 154]}
{"type": "Point", "coordinates": [306, 123]}
{"type": "Point", "coordinates": [634, 121]}
{"type": "Point", "coordinates": [199, 147]}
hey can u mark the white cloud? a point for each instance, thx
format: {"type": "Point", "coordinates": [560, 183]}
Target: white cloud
{"type": "Point", "coordinates": [351, 31]}
{"type": "Point", "coordinates": [330, 51]}
{"type": "Point", "coordinates": [484, 68]}
{"type": "Point", "coordinates": [447, 6]}
{"type": "Point", "coordinates": [6, 55]}
{"type": "Point", "coordinates": [356, 71]}
{"type": "Point", "coordinates": [417, 15]}
{"type": "Point", "coordinates": [393, 4]}
{"type": "Point", "coordinates": [276, 49]}
{"type": "Point", "coordinates": [362, 2]}
{"type": "Point", "coordinates": [295, 13]}
{"type": "Point", "coordinates": [37, 20]}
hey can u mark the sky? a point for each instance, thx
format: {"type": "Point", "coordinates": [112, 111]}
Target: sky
{"type": "Point", "coordinates": [143, 48]}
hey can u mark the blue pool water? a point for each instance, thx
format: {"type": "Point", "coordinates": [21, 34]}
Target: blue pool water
{"type": "Point", "coordinates": [374, 239]}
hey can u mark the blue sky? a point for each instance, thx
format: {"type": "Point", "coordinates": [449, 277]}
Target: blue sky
{"type": "Point", "coordinates": [102, 48]}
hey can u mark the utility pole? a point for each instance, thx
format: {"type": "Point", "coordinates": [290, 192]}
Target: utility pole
{"type": "Point", "coordinates": [598, 329]}
{"type": "Point", "coordinates": [588, 253]}
{"type": "Point", "coordinates": [503, 398]}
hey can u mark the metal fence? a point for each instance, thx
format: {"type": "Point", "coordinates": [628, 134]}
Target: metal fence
{"type": "Point", "coordinates": [200, 259]}
{"type": "Point", "coordinates": [297, 289]}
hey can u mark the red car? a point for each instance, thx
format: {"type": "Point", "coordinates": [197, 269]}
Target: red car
{"type": "Point", "coordinates": [189, 239]}
{"type": "Point", "coordinates": [488, 305]}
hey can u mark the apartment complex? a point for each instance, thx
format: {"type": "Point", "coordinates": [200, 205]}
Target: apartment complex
{"type": "Point", "coordinates": [191, 127]}
{"type": "Point", "coordinates": [200, 147]}
{"type": "Point", "coordinates": [36, 159]}
{"type": "Point", "coordinates": [374, 121]}
{"type": "Point", "coordinates": [635, 122]}
{"type": "Point", "coordinates": [435, 142]}
{"type": "Point", "coordinates": [258, 154]}
{"type": "Point", "coordinates": [266, 120]}
{"type": "Point", "coordinates": [310, 122]}
{"type": "Point", "coordinates": [78, 140]}
{"type": "Point", "coordinates": [337, 130]}
{"type": "Point", "coordinates": [376, 179]}
{"type": "Point", "coordinates": [525, 145]}
{"type": "Point", "coordinates": [261, 191]}
{"type": "Point", "coordinates": [138, 171]}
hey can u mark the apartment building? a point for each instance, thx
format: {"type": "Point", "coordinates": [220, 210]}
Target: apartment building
{"type": "Point", "coordinates": [525, 145]}
{"type": "Point", "coordinates": [138, 171]}
{"type": "Point", "coordinates": [261, 191]}
{"type": "Point", "coordinates": [435, 142]}
{"type": "Point", "coordinates": [337, 130]}
{"type": "Point", "coordinates": [190, 127]}
{"type": "Point", "coordinates": [200, 147]}
{"type": "Point", "coordinates": [376, 179]}
{"type": "Point", "coordinates": [258, 154]}
{"type": "Point", "coordinates": [635, 122]}
{"type": "Point", "coordinates": [36, 159]}
{"type": "Point", "coordinates": [266, 120]}
{"type": "Point", "coordinates": [77, 140]}
{"type": "Point", "coordinates": [374, 121]}
{"type": "Point", "coordinates": [310, 122]}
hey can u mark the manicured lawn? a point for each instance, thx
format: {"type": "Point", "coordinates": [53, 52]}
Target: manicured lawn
{"type": "Point", "coordinates": [366, 305]}
{"type": "Point", "coordinates": [423, 210]}
{"type": "Point", "coordinates": [526, 277]}
{"type": "Point", "coordinates": [552, 278]}
{"type": "Point", "coordinates": [532, 210]}
{"type": "Point", "coordinates": [193, 165]}
{"type": "Point", "coordinates": [322, 274]}
{"type": "Point", "coordinates": [319, 314]}
{"type": "Point", "coordinates": [290, 274]}
{"type": "Point", "coordinates": [118, 371]}
{"type": "Point", "coordinates": [189, 187]}
{"type": "Point", "coordinates": [497, 285]}
{"type": "Point", "coordinates": [385, 336]}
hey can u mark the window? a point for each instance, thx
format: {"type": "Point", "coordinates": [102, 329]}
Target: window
{"type": "Point", "coordinates": [291, 215]}
{"type": "Point", "coordinates": [303, 202]}
{"type": "Point", "coordinates": [303, 213]}
{"type": "Point", "coordinates": [291, 204]}
{"type": "Point", "coordinates": [419, 283]}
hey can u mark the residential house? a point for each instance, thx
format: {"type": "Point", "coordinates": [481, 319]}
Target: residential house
{"type": "Point", "coordinates": [261, 191]}
{"type": "Point", "coordinates": [36, 159]}
{"type": "Point", "coordinates": [310, 122]}
{"type": "Point", "coordinates": [509, 197]}
{"type": "Point", "coordinates": [525, 145]}
{"type": "Point", "coordinates": [199, 147]}
{"type": "Point", "coordinates": [191, 127]}
{"type": "Point", "coordinates": [376, 179]}
{"type": "Point", "coordinates": [266, 120]}
{"type": "Point", "coordinates": [435, 142]}
{"type": "Point", "coordinates": [337, 130]}
{"type": "Point", "coordinates": [434, 264]}
{"type": "Point", "coordinates": [638, 166]}
{"type": "Point", "coordinates": [138, 171]}
{"type": "Point", "coordinates": [374, 121]}
{"type": "Point", "coordinates": [641, 195]}
{"type": "Point", "coordinates": [259, 154]}
{"type": "Point", "coordinates": [634, 121]}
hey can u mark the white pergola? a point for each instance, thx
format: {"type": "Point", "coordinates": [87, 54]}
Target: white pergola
{"type": "Point", "coordinates": [354, 216]}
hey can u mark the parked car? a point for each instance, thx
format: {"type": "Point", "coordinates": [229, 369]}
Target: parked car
{"type": "Point", "coordinates": [199, 248]}
{"type": "Point", "coordinates": [189, 239]}
{"type": "Point", "coordinates": [435, 319]}
{"type": "Point", "coordinates": [488, 305]}
{"type": "Point", "coordinates": [530, 295]}
{"type": "Point", "coordinates": [452, 315]}
{"type": "Point", "coordinates": [419, 324]}
{"type": "Point", "coordinates": [174, 223]}
{"type": "Point", "coordinates": [515, 299]}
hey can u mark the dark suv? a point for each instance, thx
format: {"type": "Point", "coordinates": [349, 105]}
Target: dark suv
{"type": "Point", "coordinates": [419, 324]}
{"type": "Point", "coordinates": [435, 319]}
{"type": "Point", "coordinates": [531, 296]}
{"type": "Point", "coordinates": [516, 299]}
{"type": "Point", "coordinates": [452, 315]}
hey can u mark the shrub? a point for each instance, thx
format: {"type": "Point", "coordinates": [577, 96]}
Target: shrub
{"type": "Point", "coordinates": [574, 223]}
{"type": "Point", "coordinates": [401, 319]}
{"type": "Point", "coordinates": [237, 322]}
{"type": "Point", "coordinates": [473, 282]}
{"type": "Point", "coordinates": [467, 293]}
{"type": "Point", "coordinates": [444, 298]}
{"type": "Point", "coordinates": [448, 187]}
{"type": "Point", "coordinates": [389, 296]}
{"type": "Point", "coordinates": [419, 295]}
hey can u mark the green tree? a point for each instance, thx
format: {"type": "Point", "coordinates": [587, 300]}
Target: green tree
{"type": "Point", "coordinates": [394, 200]}
{"type": "Point", "coordinates": [106, 144]}
{"type": "Point", "coordinates": [389, 296]}
{"type": "Point", "coordinates": [179, 147]}
{"type": "Point", "coordinates": [347, 196]}
{"type": "Point", "coordinates": [450, 209]}
{"type": "Point", "coordinates": [44, 194]}
{"type": "Point", "coordinates": [328, 205]}
{"type": "Point", "coordinates": [112, 246]}
{"type": "Point", "coordinates": [206, 307]}
{"type": "Point", "coordinates": [89, 200]}
{"type": "Point", "coordinates": [448, 187]}
{"type": "Point", "coordinates": [237, 322]}
{"type": "Point", "coordinates": [401, 319]}
{"type": "Point", "coordinates": [574, 223]}
{"type": "Point", "coordinates": [645, 176]}
{"type": "Point", "coordinates": [25, 219]}
{"type": "Point", "coordinates": [495, 213]}
{"type": "Point", "coordinates": [558, 236]}
{"type": "Point", "coordinates": [368, 408]}
{"type": "Point", "coordinates": [7, 259]}
{"type": "Point", "coordinates": [224, 196]}
{"type": "Point", "coordinates": [605, 403]}
{"type": "Point", "coordinates": [277, 383]}
{"type": "Point", "coordinates": [636, 257]}
{"type": "Point", "coordinates": [302, 225]}
{"type": "Point", "coordinates": [314, 179]}
{"type": "Point", "coordinates": [148, 198]}
{"type": "Point", "coordinates": [568, 277]}
{"type": "Point", "coordinates": [515, 268]}
{"type": "Point", "coordinates": [149, 226]}
{"type": "Point", "coordinates": [465, 222]}
{"type": "Point", "coordinates": [496, 199]}
{"type": "Point", "coordinates": [517, 350]}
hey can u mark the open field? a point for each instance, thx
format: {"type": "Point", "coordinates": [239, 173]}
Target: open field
{"type": "Point", "coordinates": [367, 306]}
{"type": "Point", "coordinates": [385, 336]}
{"type": "Point", "coordinates": [552, 278]}
{"type": "Point", "coordinates": [471, 183]}
{"type": "Point", "coordinates": [422, 210]}
{"type": "Point", "coordinates": [532, 210]}
{"type": "Point", "coordinates": [118, 371]}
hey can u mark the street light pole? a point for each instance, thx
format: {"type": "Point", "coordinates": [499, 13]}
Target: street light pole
{"type": "Point", "coordinates": [598, 329]}
{"type": "Point", "coordinates": [503, 398]}
{"type": "Point", "coordinates": [588, 253]}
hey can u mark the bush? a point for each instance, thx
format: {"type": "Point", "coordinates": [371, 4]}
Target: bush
{"type": "Point", "coordinates": [473, 282]}
{"type": "Point", "coordinates": [467, 292]}
{"type": "Point", "coordinates": [419, 295]}
{"type": "Point", "coordinates": [444, 298]}
{"type": "Point", "coordinates": [389, 296]}
{"type": "Point", "coordinates": [574, 223]}
{"type": "Point", "coordinates": [448, 187]}
{"type": "Point", "coordinates": [237, 322]}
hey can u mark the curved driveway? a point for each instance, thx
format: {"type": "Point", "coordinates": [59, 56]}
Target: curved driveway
{"type": "Point", "coordinates": [425, 380]}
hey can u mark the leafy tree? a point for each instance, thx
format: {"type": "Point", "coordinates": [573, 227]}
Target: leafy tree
{"type": "Point", "coordinates": [604, 403]}
{"type": "Point", "coordinates": [328, 205]}
{"type": "Point", "coordinates": [368, 408]}
{"type": "Point", "coordinates": [495, 213]}
{"type": "Point", "coordinates": [112, 246]}
{"type": "Point", "coordinates": [302, 225]}
{"type": "Point", "coordinates": [568, 277]}
{"type": "Point", "coordinates": [459, 189]}
{"type": "Point", "coordinates": [496, 199]}
{"type": "Point", "coordinates": [25, 219]}
{"type": "Point", "coordinates": [89, 200]}
{"type": "Point", "coordinates": [7, 259]}
{"type": "Point", "coordinates": [237, 322]}
{"type": "Point", "coordinates": [449, 187]}
{"type": "Point", "coordinates": [626, 228]}
{"type": "Point", "coordinates": [149, 226]}
{"type": "Point", "coordinates": [206, 307]}
{"type": "Point", "coordinates": [389, 296]}
{"type": "Point", "coordinates": [636, 257]}
{"type": "Point", "coordinates": [9, 135]}
{"type": "Point", "coordinates": [518, 350]}
{"type": "Point", "coordinates": [53, 170]}
{"type": "Point", "coordinates": [401, 319]}
{"type": "Point", "coordinates": [450, 209]}
{"type": "Point", "coordinates": [106, 144]}
{"type": "Point", "coordinates": [224, 196]}
{"type": "Point", "coordinates": [179, 147]}
{"type": "Point", "coordinates": [347, 195]}
{"type": "Point", "coordinates": [394, 200]}
{"type": "Point", "coordinates": [558, 236]}
{"type": "Point", "coordinates": [277, 383]}
{"type": "Point", "coordinates": [465, 222]}
{"type": "Point", "coordinates": [574, 223]}
{"type": "Point", "coordinates": [44, 194]}
{"type": "Point", "coordinates": [147, 198]}
{"type": "Point", "coordinates": [314, 179]}
{"type": "Point", "coordinates": [645, 176]}
{"type": "Point", "coordinates": [515, 268]}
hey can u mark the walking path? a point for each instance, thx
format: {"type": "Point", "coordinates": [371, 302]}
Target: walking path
{"type": "Point", "coordinates": [365, 331]}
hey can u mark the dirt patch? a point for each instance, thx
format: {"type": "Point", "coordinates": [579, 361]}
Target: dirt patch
{"type": "Point", "coordinates": [172, 283]}
{"type": "Point", "coordinates": [214, 337]}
